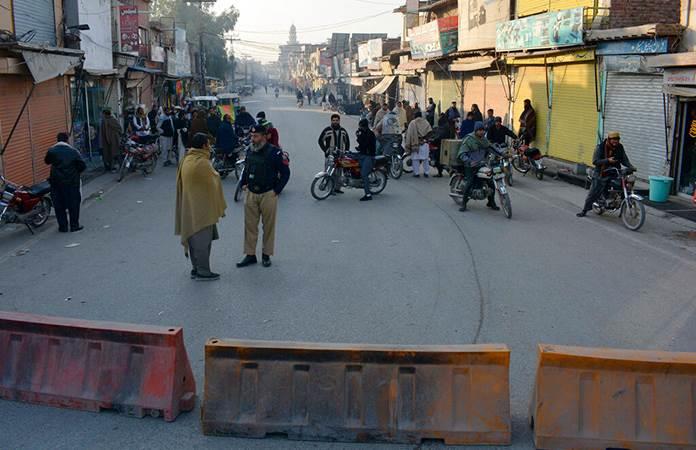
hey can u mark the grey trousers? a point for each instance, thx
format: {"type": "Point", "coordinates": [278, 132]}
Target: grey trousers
{"type": "Point", "coordinates": [200, 245]}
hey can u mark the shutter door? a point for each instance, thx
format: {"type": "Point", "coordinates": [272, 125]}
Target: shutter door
{"type": "Point", "coordinates": [35, 15]}
{"type": "Point", "coordinates": [443, 89]}
{"type": "Point", "coordinates": [574, 113]}
{"type": "Point", "coordinates": [634, 108]}
{"type": "Point", "coordinates": [530, 83]}
{"type": "Point", "coordinates": [530, 7]}
{"type": "Point", "coordinates": [17, 159]}
{"type": "Point", "coordinates": [496, 98]}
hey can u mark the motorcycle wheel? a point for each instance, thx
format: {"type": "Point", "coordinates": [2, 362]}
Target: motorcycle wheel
{"type": "Point", "coordinates": [322, 187]}
{"type": "Point", "coordinates": [44, 210]}
{"type": "Point", "coordinates": [540, 175]}
{"type": "Point", "coordinates": [378, 181]}
{"type": "Point", "coordinates": [153, 165]}
{"type": "Point", "coordinates": [455, 185]}
{"type": "Point", "coordinates": [519, 164]}
{"type": "Point", "coordinates": [396, 168]}
{"type": "Point", "coordinates": [633, 214]}
{"type": "Point", "coordinates": [238, 171]}
{"type": "Point", "coordinates": [506, 205]}
{"type": "Point", "coordinates": [238, 191]}
{"type": "Point", "coordinates": [407, 164]}
{"type": "Point", "coordinates": [124, 168]}
{"type": "Point", "coordinates": [508, 177]}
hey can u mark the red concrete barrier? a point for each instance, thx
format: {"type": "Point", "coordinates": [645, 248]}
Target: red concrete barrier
{"type": "Point", "coordinates": [137, 370]}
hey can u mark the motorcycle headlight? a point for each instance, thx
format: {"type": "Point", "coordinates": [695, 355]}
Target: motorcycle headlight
{"type": "Point", "coordinates": [631, 179]}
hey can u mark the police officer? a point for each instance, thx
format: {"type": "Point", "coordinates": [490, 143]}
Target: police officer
{"type": "Point", "coordinates": [66, 167]}
{"type": "Point", "coordinates": [266, 174]}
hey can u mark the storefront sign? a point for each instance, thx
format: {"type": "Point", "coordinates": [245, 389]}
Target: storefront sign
{"type": "Point", "coordinates": [551, 30]}
{"type": "Point", "coordinates": [171, 63]}
{"type": "Point", "coordinates": [157, 53]}
{"type": "Point", "coordinates": [633, 47]}
{"type": "Point", "coordinates": [434, 39]}
{"type": "Point", "coordinates": [478, 20]}
{"type": "Point", "coordinates": [128, 16]}
{"type": "Point", "coordinates": [680, 76]}
{"type": "Point", "coordinates": [626, 64]}
{"type": "Point", "coordinates": [183, 58]}
{"type": "Point", "coordinates": [370, 53]}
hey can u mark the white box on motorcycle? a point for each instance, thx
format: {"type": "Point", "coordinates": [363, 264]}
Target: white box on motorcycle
{"type": "Point", "coordinates": [448, 152]}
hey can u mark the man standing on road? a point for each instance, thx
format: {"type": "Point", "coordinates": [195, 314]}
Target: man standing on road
{"type": "Point", "coordinates": [167, 130]}
{"type": "Point", "coordinates": [453, 112]}
{"type": "Point", "coordinates": [110, 138]}
{"type": "Point", "coordinates": [608, 154]}
{"type": "Point", "coordinates": [418, 130]}
{"type": "Point", "coordinates": [379, 115]}
{"type": "Point", "coordinates": [334, 138]}
{"type": "Point", "coordinates": [490, 120]}
{"type": "Point", "coordinates": [66, 167]}
{"type": "Point", "coordinates": [367, 148]}
{"type": "Point", "coordinates": [430, 112]}
{"type": "Point", "coordinates": [389, 132]}
{"type": "Point", "coordinates": [265, 176]}
{"type": "Point", "coordinates": [200, 204]}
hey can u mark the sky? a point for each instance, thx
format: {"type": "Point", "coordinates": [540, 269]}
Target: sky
{"type": "Point", "coordinates": [263, 24]}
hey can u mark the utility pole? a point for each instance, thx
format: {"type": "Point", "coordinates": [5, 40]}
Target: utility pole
{"type": "Point", "coordinates": [201, 54]}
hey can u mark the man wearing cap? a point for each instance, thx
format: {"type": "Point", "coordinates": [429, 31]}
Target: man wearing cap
{"type": "Point", "coordinates": [273, 136]}
{"type": "Point", "coordinates": [473, 151]}
{"type": "Point", "coordinates": [265, 176]}
{"type": "Point", "coordinates": [609, 154]}
{"type": "Point", "coordinates": [110, 139]}
{"type": "Point", "coordinates": [497, 133]}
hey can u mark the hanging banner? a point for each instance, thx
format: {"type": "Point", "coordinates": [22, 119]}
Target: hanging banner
{"type": "Point", "coordinates": [434, 39]}
{"type": "Point", "coordinates": [555, 29]}
{"type": "Point", "coordinates": [128, 20]}
{"type": "Point", "coordinates": [363, 55]}
{"type": "Point", "coordinates": [478, 21]}
{"type": "Point", "coordinates": [183, 58]}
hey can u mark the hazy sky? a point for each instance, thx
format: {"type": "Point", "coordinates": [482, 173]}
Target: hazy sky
{"type": "Point", "coordinates": [267, 23]}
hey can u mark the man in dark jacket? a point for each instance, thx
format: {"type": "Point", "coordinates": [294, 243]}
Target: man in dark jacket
{"type": "Point", "coordinates": [610, 154]}
{"type": "Point", "coordinates": [367, 148]}
{"type": "Point", "coordinates": [334, 138]}
{"type": "Point", "coordinates": [497, 133]}
{"type": "Point", "coordinates": [472, 153]}
{"type": "Point", "coordinates": [214, 121]}
{"type": "Point", "coordinates": [244, 119]}
{"type": "Point", "coordinates": [265, 176]}
{"type": "Point", "coordinates": [226, 140]}
{"type": "Point", "coordinates": [66, 167]}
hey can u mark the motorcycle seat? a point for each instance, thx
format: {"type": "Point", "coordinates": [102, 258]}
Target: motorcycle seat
{"type": "Point", "coordinates": [40, 189]}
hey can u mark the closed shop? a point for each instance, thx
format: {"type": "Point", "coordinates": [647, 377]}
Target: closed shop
{"type": "Point", "coordinates": [37, 17]}
{"type": "Point", "coordinates": [530, 7]}
{"type": "Point", "coordinates": [46, 115]}
{"type": "Point", "coordinates": [444, 88]}
{"type": "Point", "coordinates": [634, 107]}
{"type": "Point", "coordinates": [574, 113]}
{"type": "Point", "coordinates": [530, 83]}
{"type": "Point", "coordinates": [487, 92]}
{"type": "Point", "coordinates": [414, 90]}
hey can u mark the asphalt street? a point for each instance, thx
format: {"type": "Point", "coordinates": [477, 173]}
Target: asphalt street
{"type": "Point", "coordinates": [406, 268]}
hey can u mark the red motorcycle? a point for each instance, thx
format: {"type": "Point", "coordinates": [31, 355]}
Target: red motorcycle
{"type": "Point", "coordinates": [344, 168]}
{"type": "Point", "coordinates": [139, 153]}
{"type": "Point", "coordinates": [30, 206]}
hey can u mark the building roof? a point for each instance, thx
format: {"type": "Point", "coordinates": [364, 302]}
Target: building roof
{"type": "Point", "coordinates": [438, 4]}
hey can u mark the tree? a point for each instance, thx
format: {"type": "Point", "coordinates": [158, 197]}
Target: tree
{"type": "Point", "coordinates": [201, 22]}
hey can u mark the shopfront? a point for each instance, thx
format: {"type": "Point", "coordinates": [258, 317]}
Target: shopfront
{"type": "Point", "coordinates": [484, 85]}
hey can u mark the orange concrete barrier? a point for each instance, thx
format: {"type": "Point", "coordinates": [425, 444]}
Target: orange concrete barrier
{"type": "Point", "coordinates": [458, 394]}
{"type": "Point", "coordinates": [137, 370]}
{"type": "Point", "coordinates": [596, 398]}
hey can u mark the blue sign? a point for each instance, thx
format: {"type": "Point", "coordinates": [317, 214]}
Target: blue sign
{"type": "Point", "coordinates": [633, 47]}
{"type": "Point", "coordinates": [551, 30]}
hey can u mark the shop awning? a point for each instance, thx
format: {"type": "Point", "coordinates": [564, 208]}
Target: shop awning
{"type": "Point", "coordinates": [102, 73]}
{"type": "Point", "coordinates": [470, 65]}
{"type": "Point", "coordinates": [45, 66]}
{"type": "Point", "coordinates": [411, 66]}
{"type": "Point", "coordinates": [672, 60]}
{"type": "Point", "coordinates": [382, 86]}
{"type": "Point", "coordinates": [678, 91]}
{"type": "Point", "coordinates": [144, 69]}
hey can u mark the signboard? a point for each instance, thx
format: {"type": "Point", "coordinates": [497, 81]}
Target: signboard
{"type": "Point", "coordinates": [478, 21]}
{"type": "Point", "coordinates": [128, 21]}
{"type": "Point", "coordinates": [627, 64]}
{"type": "Point", "coordinates": [551, 30]}
{"type": "Point", "coordinates": [632, 47]}
{"type": "Point", "coordinates": [374, 50]}
{"type": "Point", "coordinates": [157, 53]}
{"type": "Point", "coordinates": [183, 58]}
{"type": "Point", "coordinates": [434, 39]}
{"type": "Point", "coordinates": [94, 42]}
{"type": "Point", "coordinates": [171, 63]}
{"type": "Point", "coordinates": [363, 55]}
{"type": "Point", "coordinates": [680, 76]}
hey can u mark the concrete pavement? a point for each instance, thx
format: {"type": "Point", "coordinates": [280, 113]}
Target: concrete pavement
{"type": "Point", "coordinates": [406, 268]}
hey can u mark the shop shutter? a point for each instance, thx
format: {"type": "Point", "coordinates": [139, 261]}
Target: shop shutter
{"type": "Point", "coordinates": [531, 7]}
{"type": "Point", "coordinates": [634, 108]}
{"type": "Point", "coordinates": [574, 113]}
{"type": "Point", "coordinates": [496, 97]}
{"type": "Point", "coordinates": [473, 92]}
{"type": "Point", "coordinates": [443, 89]}
{"type": "Point", "coordinates": [17, 159]}
{"type": "Point", "coordinates": [530, 83]}
{"type": "Point", "coordinates": [36, 15]}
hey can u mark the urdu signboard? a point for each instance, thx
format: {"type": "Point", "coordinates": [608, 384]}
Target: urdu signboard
{"type": "Point", "coordinates": [128, 21]}
{"type": "Point", "coordinates": [478, 20]}
{"type": "Point", "coordinates": [550, 30]}
{"type": "Point", "coordinates": [434, 39]}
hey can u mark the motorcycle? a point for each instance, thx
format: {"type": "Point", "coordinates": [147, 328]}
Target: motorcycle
{"type": "Point", "coordinates": [491, 173]}
{"type": "Point", "coordinates": [139, 153]}
{"type": "Point", "coordinates": [506, 155]}
{"type": "Point", "coordinates": [346, 168]}
{"type": "Point", "coordinates": [226, 163]}
{"type": "Point", "coordinates": [526, 158]}
{"type": "Point", "coordinates": [407, 161]}
{"type": "Point", "coordinates": [240, 168]}
{"type": "Point", "coordinates": [28, 205]}
{"type": "Point", "coordinates": [394, 155]}
{"type": "Point", "coordinates": [620, 197]}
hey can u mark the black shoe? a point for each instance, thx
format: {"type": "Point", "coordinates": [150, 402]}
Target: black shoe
{"type": "Point", "coordinates": [62, 230]}
{"type": "Point", "coordinates": [210, 277]}
{"type": "Point", "coordinates": [338, 191]}
{"type": "Point", "coordinates": [265, 261]}
{"type": "Point", "coordinates": [194, 274]}
{"type": "Point", "coordinates": [425, 175]}
{"type": "Point", "coordinates": [581, 214]}
{"type": "Point", "coordinates": [463, 208]}
{"type": "Point", "coordinates": [493, 206]}
{"type": "Point", "coordinates": [416, 176]}
{"type": "Point", "coordinates": [366, 198]}
{"type": "Point", "coordinates": [76, 229]}
{"type": "Point", "coordinates": [247, 261]}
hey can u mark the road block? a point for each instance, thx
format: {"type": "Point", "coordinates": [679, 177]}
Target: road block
{"type": "Point", "coordinates": [357, 393]}
{"type": "Point", "coordinates": [137, 370]}
{"type": "Point", "coordinates": [596, 398]}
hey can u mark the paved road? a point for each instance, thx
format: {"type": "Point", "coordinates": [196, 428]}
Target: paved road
{"type": "Point", "coordinates": [406, 268]}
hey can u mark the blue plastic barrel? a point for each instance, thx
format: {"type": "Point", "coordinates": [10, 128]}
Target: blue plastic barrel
{"type": "Point", "coordinates": [659, 188]}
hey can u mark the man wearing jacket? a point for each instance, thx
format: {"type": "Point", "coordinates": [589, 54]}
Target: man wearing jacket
{"type": "Point", "coordinates": [66, 167]}
{"type": "Point", "coordinates": [334, 138]}
{"type": "Point", "coordinates": [367, 148]}
{"type": "Point", "coordinates": [265, 176]}
{"type": "Point", "coordinates": [608, 154]}
{"type": "Point", "coordinates": [473, 151]}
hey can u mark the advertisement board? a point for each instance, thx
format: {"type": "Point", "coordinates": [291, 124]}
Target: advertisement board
{"type": "Point", "coordinates": [94, 42]}
{"type": "Point", "coordinates": [434, 39]}
{"type": "Point", "coordinates": [551, 30]}
{"type": "Point", "coordinates": [680, 76]}
{"type": "Point", "coordinates": [128, 21]}
{"type": "Point", "coordinates": [183, 58]}
{"type": "Point", "coordinates": [363, 55]}
{"type": "Point", "coordinates": [478, 20]}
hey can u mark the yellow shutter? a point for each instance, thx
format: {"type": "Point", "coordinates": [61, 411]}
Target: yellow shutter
{"type": "Point", "coordinates": [443, 89]}
{"type": "Point", "coordinates": [530, 83]}
{"type": "Point", "coordinates": [574, 113]}
{"type": "Point", "coordinates": [531, 7]}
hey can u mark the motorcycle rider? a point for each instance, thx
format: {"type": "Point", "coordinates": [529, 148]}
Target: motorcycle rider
{"type": "Point", "coordinates": [609, 153]}
{"type": "Point", "coordinates": [244, 119]}
{"type": "Point", "coordinates": [388, 131]}
{"type": "Point", "coordinates": [473, 152]}
{"type": "Point", "coordinates": [367, 148]}
{"type": "Point", "coordinates": [498, 132]}
{"type": "Point", "coordinates": [334, 138]}
{"type": "Point", "coordinates": [226, 140]}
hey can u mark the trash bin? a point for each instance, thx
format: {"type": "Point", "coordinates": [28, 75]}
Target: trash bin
{"type": "Point", "coordinates": [659, 188]}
